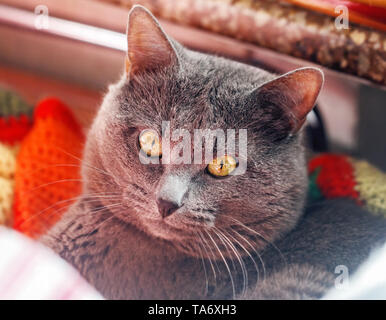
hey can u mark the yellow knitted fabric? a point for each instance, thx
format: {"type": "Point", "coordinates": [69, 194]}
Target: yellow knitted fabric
{"type": "Point", "coordinates": [371, 186]}
{"type": "Point", "coordinates": [7, 160]}
{"type": "Point", "coordinates": [6, 197]}
{"type": "Point", "coordinates": [7, 172]}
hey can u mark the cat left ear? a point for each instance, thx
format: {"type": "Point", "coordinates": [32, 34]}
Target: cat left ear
{"type": "Point", "coordinates": [148, 46]}
{"type": "Point", "coordinates": [295, 93]}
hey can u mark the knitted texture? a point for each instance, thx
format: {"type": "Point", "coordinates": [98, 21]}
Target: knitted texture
{"type": "Point", "coordinates": [14, 129]}
{"type": "Point", "coordinates": [335, 176]}
{"type": "Point", "coordinates": [7, 172]}
{"type": "Point", "coordinates": [48, 168]}
{"type": "Point", "coordinates": [15, 117]}
{"type": "Point", "coordinates": [8, 160]}
{"type": "Point", "coordinates": [6, 195]}
{"type": "Point", "coordinates": [371, 186]}
{"type": "Point", "coordinates": [14, 125]}
{"type": "Point", "coordinates": [11, 105]}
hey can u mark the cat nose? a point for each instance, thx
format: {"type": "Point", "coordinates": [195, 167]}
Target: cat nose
{"type": "Point", "coordinates": [166, 207]}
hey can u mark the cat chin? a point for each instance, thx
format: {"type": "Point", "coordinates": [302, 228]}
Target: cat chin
{"type": "Point", "coordinates": [159, 228]}
{"type": "Point", "coordinates": [188, 241]}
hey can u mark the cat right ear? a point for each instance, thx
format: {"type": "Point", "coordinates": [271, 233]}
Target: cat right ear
{"type": "Point", "coordinates": [288, 99]}
{"type": "Point", "coordinates": [149, 48]}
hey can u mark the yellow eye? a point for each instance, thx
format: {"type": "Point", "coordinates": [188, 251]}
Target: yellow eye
{"type": "Point", "coordinates": [222, 166]}
{"type": "Point", "coordinates": [150, 143]}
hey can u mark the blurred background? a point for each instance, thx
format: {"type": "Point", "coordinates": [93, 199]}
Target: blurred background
{"type": "Point", "coordinates": [73, 49]}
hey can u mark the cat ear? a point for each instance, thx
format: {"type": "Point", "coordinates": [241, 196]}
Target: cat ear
{"type": "Point", "coordinates": [295, 95]}
{"type": "Point", "coordinates": [148, 46]}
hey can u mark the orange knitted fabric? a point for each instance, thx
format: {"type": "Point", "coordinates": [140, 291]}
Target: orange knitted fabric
{"type": "Point", "coordinates": [47, 174]}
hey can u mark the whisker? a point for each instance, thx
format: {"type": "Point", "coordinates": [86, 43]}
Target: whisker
{"type": "Point", "coordinates": [103, 222]}
{"type": "Point", "coordinates": [249, 255]}
{"type": "Point", "coordinates": [210, 261]}
{"type": "Point", "coordinates": [88, 201]}
{"type": "Point", "coordinates": [31, 172]}
{"type": "Point", "coordinates": [85, 163]}
{"type": "Point", "coordinates": [59, 203]}
{"type": "Point", "coordinates": [53, 182]}
{"type": "Point", "coordinates": [204, 266]}
{"type": "Point", "coordinates": [259, 235]}
{"type": "Point", "coordinates": [225, 262]}
{"type": "Point", "coordinates": [229, 251]}
{"type": "Point", "coordinates": [238, 257]}
{"type": "Point", "coordinates": [256, 252]}
{"type": "Point", "coordinates": [62, 211]}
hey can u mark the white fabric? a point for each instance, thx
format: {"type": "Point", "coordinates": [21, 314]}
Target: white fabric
{"type": "Point", "coordinates": [28, 270]}
{"type": "Point", "coordinates": [369, 282]}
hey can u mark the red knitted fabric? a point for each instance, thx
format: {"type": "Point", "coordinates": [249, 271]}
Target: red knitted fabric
{"type": "Point", "coordinates": [14, 129]}
{"type": "Point", "coordinates": [47, 170]}
{"type": "Point", "coordinates": [336, 177]}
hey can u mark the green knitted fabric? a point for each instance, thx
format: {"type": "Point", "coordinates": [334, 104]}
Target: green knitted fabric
{"type": "Point", "coordinates": [12, 104]}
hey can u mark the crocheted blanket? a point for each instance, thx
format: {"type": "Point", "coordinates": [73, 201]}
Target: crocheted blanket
{"type": "Point", "coordinates": [335, 176]}
{"type": "Point", "coordinates": [40, 158]}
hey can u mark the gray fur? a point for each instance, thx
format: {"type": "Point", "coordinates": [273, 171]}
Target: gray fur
{"type": "Point", "coordinates": [122, 245]}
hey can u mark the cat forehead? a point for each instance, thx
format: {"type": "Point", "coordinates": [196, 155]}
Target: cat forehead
{"type": "Point", "coordinates": [204, 92]}
{"type": "Point", "coordinates": [198, 71]}
{"type": "Point", "coordinates": [212, 81]}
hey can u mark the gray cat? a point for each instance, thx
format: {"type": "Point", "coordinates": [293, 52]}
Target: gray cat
{"type": "Point", "coordinates": [179, 231]}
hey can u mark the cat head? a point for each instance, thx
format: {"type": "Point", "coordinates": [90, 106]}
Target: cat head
{"type": "Point", "coordinates": [187, 204]}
